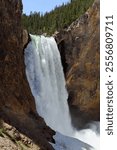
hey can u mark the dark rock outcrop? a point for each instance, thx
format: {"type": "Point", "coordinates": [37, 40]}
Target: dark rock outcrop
{"type": "Point", "coordinates": [12, 139]}
{"type": "Point", "coordinates": [79, 46]}
{"type": "Point", "coordinates": [17, 105]}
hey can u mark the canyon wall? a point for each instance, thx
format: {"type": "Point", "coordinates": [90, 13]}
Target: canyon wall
{"type": "Point", "coordinates": [79, 46]}
{"type": "Point", "coordinates": [17, 106]}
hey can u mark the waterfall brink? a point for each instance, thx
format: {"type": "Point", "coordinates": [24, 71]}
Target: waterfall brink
{"type": "Point", "coordinates": [46, 78]}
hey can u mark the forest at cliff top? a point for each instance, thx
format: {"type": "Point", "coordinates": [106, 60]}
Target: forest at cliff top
{"type": "Point", "coordinates": [59, 18]}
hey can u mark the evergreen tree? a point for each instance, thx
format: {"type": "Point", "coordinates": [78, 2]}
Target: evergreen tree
{"type": "Point", "coordinates": [59, 18]}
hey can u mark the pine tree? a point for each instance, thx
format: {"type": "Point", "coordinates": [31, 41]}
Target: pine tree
{"type": "Point", "coordinates": [59, 18]}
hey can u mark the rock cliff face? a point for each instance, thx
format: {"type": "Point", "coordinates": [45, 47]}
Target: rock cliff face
{"type": "Point", "coordinates": [79, 46]}
{"type": "Point", "coordinates": [17, 105]}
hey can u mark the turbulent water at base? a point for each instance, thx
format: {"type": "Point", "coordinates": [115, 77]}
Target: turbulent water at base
{"type": "Point", "coordinates": [46, 78]}
{"type": "Point", "coordinates": [45, 75]}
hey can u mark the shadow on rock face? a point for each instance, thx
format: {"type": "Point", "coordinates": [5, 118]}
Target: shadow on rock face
{"type": "Point", "coordinates": [80, 119]}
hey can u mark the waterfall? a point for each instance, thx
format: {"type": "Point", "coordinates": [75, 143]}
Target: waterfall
{"type": "Point", "coordinates": [46, 78]}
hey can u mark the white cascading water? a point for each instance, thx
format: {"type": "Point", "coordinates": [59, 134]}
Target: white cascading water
{"type": "Point", "coordinates": [45, 75]}
{"type": "Point", "coordinates": [46, 78]}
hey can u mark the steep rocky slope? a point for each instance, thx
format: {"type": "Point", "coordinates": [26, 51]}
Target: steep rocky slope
{"type": "Point", "coordinates": [17, 105]}
{"type": "Point", "coordinates": [12, 139]}
{"type": "Point", "coordinates": [79, 46]}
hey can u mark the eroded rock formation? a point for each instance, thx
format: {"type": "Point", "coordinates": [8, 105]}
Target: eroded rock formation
{"type": "Point", "coordinates": [79, 46]}
{"type": "Point", "coordinates": [17, 105]}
